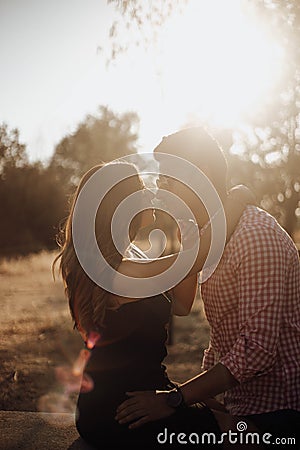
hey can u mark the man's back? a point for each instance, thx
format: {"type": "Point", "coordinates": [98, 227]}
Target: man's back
{"type": "Point", "coordinates": [252, 302]}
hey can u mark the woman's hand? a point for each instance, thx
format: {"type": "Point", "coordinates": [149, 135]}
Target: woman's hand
{"type": "Point", "coordinates": [237, 199]}
{"type": "Point", "coordinates": [242, 195]}
{"type": "Point", "coordinates": [143, 407]}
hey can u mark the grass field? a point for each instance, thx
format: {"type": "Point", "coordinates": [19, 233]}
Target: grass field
{"type": "Point", "coordinates": [37, 338]}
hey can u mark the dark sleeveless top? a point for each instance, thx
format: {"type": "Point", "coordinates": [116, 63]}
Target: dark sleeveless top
{"type": "Point", "coordinates": [129, 357]}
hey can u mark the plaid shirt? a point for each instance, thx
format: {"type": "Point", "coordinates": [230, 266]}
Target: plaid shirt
{"type": "Point", "coordinates": [252, 303]}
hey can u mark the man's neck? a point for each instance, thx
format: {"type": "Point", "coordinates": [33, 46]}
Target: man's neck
{"type": "Point", "coordinates": [201, 214]}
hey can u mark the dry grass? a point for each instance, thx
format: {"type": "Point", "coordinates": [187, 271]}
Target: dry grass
{"type": "Point", "coordinates": [40, 262]}
{"type": "Point", "coordinates": [37, 335]}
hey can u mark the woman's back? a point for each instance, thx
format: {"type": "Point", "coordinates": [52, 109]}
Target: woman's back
{"type": "Point", "coordinates": [127, 357]}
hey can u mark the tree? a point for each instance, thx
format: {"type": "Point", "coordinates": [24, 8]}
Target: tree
{"type": "Point", "coordinates": [34, 197]}
{"type": "Point", "coordinates": [31, 202]}
{"type": "Point", "coordinates": [272, 145]}
{"type": "Point", "coordinates": [12, 152]}
{"type": "Point", "coordinates": [268, 161]}
{"type": "Point", "coordinates": [99, 138]}
{"type": "Point", "coordinates": [267, 156]}
{"type": "Point", "coordinates": [140, 21]}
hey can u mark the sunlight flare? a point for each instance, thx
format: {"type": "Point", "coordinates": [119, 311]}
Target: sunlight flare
{"type": "Point", "coordinates": [218, 63]}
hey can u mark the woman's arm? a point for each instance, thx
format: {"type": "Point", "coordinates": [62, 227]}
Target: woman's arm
{"type": "Point", "coordinates": [183, 295]}
{"type": "Point", "coordinates": [234, 205]}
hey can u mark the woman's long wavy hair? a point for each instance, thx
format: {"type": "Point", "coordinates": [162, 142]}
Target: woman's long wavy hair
{"type": "Point", "coordinates": [88, 301]}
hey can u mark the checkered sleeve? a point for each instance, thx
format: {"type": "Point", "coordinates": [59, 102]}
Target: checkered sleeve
{"type": "Point", "coordinates": [208, 360]}
{"type": "Point", "coordinates": [261, 265]}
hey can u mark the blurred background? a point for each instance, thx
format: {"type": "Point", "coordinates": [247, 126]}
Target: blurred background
{"type": "Point", "coordinates": [85, 82]}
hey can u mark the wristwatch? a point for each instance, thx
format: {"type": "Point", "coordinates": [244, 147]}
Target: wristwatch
{"type": "Point", "coordinates": [175, 398]}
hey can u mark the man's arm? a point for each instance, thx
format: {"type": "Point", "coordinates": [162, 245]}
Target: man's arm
{"type": "Point", "coordinates": [208, 384]}
{"type": "Point", "coordinates": [261, 264]}
{"type": "Point", "coordinates": [146, 406]}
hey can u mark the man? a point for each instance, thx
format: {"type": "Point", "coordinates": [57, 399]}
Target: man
{"type": "Point", "coordinates": [252, 303]}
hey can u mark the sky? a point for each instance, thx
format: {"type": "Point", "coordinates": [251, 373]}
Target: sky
{"type": "Point", "coordinates": [52, 74]}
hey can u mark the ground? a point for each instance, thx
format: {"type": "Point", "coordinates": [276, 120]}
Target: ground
{"type": "Point", "coordinates": [38, 345]}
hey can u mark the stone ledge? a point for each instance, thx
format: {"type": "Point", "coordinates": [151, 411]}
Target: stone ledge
{"type": "Point", "coordinates": [22, 430]}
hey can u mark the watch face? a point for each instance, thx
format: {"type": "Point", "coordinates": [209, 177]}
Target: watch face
{"type": "Point", "coordinates": [174, 399]}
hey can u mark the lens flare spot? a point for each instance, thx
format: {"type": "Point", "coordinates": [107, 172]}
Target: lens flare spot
{"type": "Point", "coordinates": [92, 340]}
{"type": "Point", "coordinates": [57, 403]}
{"type": "Point", "coordinates": [80, 362]}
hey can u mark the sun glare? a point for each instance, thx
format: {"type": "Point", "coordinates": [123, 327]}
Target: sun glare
{"type": "Point", "coordinates": [217, 63]}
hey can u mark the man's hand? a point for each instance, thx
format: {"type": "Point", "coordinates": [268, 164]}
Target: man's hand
{"type": "Point", "coordinates": [145, 406]}
{"type": "Point", "coordinates": [242, 194]}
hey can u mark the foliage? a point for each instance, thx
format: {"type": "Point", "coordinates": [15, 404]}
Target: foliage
{"type": "Point", "coordinates": [98, 138]}
{"type": "Point", "coordinates": [31, 202]}
{"type": "Point", "coordinates": [270, 149]}
{"type": "Point", "coordinates": [34, 197]}
{"type": "Point", "coordinates": [12, 153]}
{"type": "Point", "coordinates": [140, 23]}
{"type": "Point", "coordinates": [266, 156]}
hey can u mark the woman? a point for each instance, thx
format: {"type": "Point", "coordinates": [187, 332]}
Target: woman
{"type": "Point", "coordinates": [129, 333]}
